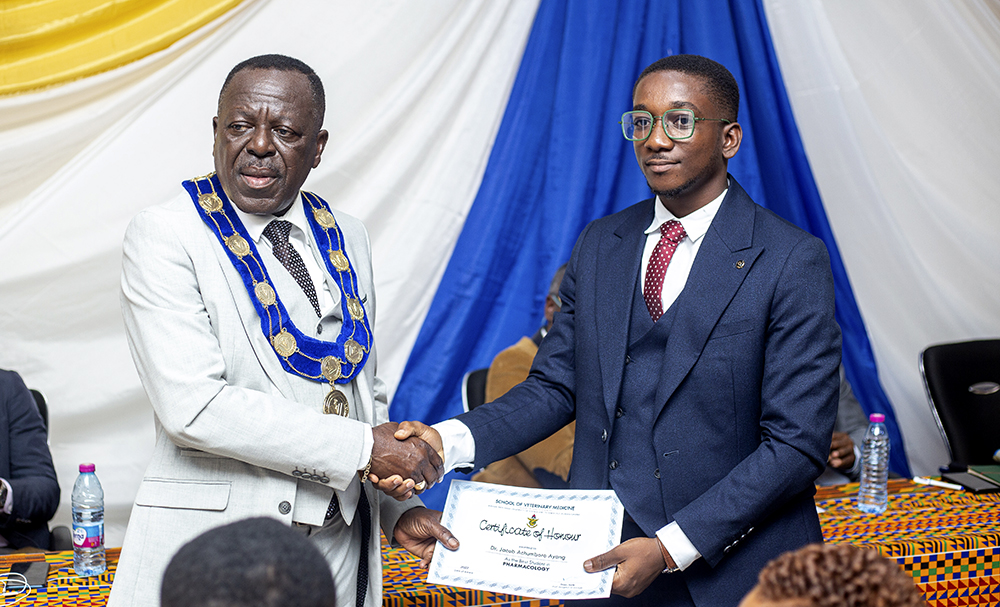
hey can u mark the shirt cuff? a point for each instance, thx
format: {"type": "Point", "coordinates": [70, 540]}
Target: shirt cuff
{"type": "Point", "coordinates": [856, 468]}
{"type": "Point", "coordinates": [8, 504]}
{"type": "Point", "coordinates": [678, 545]}
{"type": "Point", "coordinates": [459, 445]}
{"type": "Point", "coordinates": [366, 449]}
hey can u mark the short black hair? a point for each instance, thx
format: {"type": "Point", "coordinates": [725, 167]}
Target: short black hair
{"type": "Point", "coordinates": [256, 562]}
{"type": "Point", "coordinates": [720, 85]}
{"type": "Point", "coordinates": [282, 63]}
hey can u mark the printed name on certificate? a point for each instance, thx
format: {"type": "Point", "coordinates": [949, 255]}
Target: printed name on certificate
{"type": "Point", "coordinates": [528, 542]}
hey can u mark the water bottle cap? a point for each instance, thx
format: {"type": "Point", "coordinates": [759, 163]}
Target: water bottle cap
{"type": "Point", "coordinates": [877, 418]}
{"type": "Point", "coordinates": [87, 467]}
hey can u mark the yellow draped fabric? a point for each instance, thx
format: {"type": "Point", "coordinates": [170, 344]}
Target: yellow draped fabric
{"type": "Point", "coordinates": [48, 42]}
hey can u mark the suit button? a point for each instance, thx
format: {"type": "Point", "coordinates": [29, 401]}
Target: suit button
{"type": "Point", "coordinates": [604, 436]}
{"type": "Point", "coordinates": [284, 507]}
{"type": "Point", "coordinates": [656, 473]}
{"type": "Point", "coordinates": [613, 465]}
{"type": "Point", "coordinates": [619, 412]}
{"type": "Point", "coordinates": [325, 480]}
{"type": "Point", "coordinates": [319, 329]}
{"type": "Point", "coordinates": [297, 473]}
{"type": "Point", "coordinates": [628, 359]}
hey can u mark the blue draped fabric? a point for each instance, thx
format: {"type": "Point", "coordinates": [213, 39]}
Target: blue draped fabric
{"type": "Point", "coordinates": [560, 161]}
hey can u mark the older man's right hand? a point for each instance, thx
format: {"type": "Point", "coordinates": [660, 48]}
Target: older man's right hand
{"type": "Point", "coordinates": [400, 487]}
{"type": "Point", "coordinates": [410, 458]}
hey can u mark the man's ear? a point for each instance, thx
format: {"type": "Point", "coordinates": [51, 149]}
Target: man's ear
{"type": "Point", "coordinates": [215, 132]}
{"type": "Point", "coordinates": [732, 135]}
{"type": "Point", "coordinates": [321, 139]}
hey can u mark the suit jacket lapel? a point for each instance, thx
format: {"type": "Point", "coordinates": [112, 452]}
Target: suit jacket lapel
{"type": "Point", "coordinates": [620, 257]}
{"type": "Point", "coordinates": [251, 321]}
{"type": "Point", "coordinates": [723, 262]}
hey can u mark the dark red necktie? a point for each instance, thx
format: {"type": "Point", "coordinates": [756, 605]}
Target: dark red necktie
{"type": "Point", "coordinates": [671, 234]}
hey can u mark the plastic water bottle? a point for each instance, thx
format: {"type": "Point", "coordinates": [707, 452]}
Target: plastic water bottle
{"type": "Point", "coordinates": [88, 523]}
{"type": "Point", "coordinates": [873, 496]}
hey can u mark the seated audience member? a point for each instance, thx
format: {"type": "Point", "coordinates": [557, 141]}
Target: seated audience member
{"type": "Point", "coordinates": [256, 562]}
{"type": "Point", "coordinates": [844, 462]}
{"type": "Point", "coordinates": [831, 575]}
{"type": "Point", "coordinates": [29, 490]}
{"type": "Point", "coordinates": [545, 464]}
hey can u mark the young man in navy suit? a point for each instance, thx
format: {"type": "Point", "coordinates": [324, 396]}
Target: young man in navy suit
{"type": "Point", "coordinates": [698, 352]}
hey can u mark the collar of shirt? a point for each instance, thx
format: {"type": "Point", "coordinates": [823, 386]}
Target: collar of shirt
{"type": "Point", "coordinates": [695, 224]}
{"type": "Point", "coordinates": [298, 237]}
{"type": "Point", "coordinates": [255, 224]}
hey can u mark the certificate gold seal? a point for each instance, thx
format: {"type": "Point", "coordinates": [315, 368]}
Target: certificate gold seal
{"type": "Point", "coordinates": [284, 343]}
{"type": "Point", "coordinates": [355, 308]}
{"type": "Point", "coordinates": [339, 260]}
{"type": "Point", "coordinates": [265, 294]}
{"type": "Point", "coordinates": [335, 403]}
{"type": "Point", "coordinates": [353, 351]}
{"type": "Point", "coordinates": [324, 218]}
{"type": "Point", "coordinates": [210, 202]}
{"type": "Point", "coordinates": [238, 245]}
{"type": "Point", "coordinates": [331, 368]}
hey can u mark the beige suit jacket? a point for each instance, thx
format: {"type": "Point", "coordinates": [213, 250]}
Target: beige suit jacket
{"type": "Point", "coordinates": [555, 454]}
{"type": "Point", "coordinates": [232, 426]}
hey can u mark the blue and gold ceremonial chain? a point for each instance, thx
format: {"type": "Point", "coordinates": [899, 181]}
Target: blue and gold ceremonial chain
{"type": "Point", "coordinates": [337, 362]}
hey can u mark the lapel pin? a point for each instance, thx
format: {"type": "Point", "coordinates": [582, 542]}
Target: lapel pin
{"type": "Point", "coordinates": [739, 265]}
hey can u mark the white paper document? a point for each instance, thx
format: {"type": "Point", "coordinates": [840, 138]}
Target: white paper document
{"type": "Point", "coordinates": [529, 542]}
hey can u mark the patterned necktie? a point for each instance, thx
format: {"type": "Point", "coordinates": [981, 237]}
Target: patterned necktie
{"type": "Point", "coordinates": [671, 234]}
{"type": "Point", "coordinates": [277, 232]}
{"type": "Point", "coordinates": [365, 514]}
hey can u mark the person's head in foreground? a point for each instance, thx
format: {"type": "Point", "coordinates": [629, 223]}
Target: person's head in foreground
{"type": "Point", "coordinates": [256, 562]}
{"type": "Point", "coordinates": [828, 575]}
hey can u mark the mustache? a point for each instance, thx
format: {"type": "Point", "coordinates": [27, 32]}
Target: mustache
{"type": "Point", "coordinates": [259, 165]}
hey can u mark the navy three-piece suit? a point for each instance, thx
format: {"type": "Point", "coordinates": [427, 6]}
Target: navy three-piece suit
{"type": "Point", "coordinates": [25, 463]}
{"type": "Point", "coordinates": [718, 416]}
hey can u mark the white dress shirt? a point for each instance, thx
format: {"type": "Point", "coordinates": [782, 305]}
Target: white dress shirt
{"type": "Point", "coordinates": [460, 446]}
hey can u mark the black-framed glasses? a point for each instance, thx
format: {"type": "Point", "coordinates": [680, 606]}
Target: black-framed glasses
{"type": "Point", "coordinates": [678, 124]}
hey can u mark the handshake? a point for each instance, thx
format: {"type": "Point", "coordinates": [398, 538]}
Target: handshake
{"type": "Point", "coordinates": [407, 458]}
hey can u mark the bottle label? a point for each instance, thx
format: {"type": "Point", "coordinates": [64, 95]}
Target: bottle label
{"type": "Point", "coordinates": [88, 536]}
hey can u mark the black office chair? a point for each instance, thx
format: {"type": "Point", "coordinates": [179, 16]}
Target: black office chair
{"type": "Point", "coordinates": [474, 388]}
{"type": "Point", "coordinates": [61, 538]}
{"type": "Point", "coordinates": [42, 407]}
{"type": "Point", "coordinates": [963, 386]}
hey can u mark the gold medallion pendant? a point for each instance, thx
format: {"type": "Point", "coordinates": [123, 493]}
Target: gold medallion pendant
{"type": "Point", "coordinates": [324, 218]}
{"type": "Point", "coordinates": [353, 351]}
{"type": "Point", "coordinates": [335, 403]}
{"type": "Point", "coordinates": [265, 294]}
{"type": "Point", "coordinates": [238, 245]}
{"type": "Point", "coordinates": [339, 260]}
{"type": "Point", "coordinates": [210, 202]}
{"type": "Point", "coordinates": [284, 344]}
{"type": "Point", "coordinates": [331, 368]}
{"type": "Point", "coordinates": [355, 308]}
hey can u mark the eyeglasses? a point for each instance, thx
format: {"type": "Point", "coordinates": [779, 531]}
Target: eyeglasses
{"type": "Point", "coordinates": [637, 125]}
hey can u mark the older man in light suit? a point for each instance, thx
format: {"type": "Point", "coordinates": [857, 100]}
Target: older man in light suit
{"type": "Point", "coordinates": [252, 336]}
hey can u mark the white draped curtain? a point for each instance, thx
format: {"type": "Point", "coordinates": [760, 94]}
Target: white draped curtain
{"type": "Point", "coordinates": [897, 104]}
{"type": "Point", "coordinates": [895, 100]}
